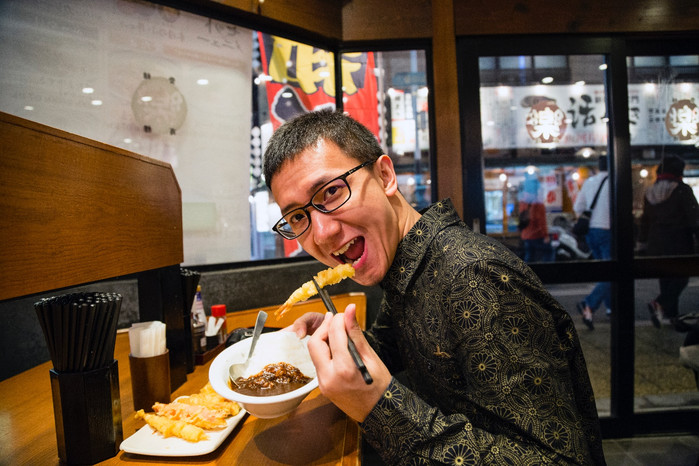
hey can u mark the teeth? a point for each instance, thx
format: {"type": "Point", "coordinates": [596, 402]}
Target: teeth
{"type": "Point", "coordinates": [343, 249]}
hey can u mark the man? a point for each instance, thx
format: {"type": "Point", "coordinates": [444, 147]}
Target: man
{"type": "Point", "coordinates": [494, 368]}
{"type": "Point", "coordinates": [599, 237]}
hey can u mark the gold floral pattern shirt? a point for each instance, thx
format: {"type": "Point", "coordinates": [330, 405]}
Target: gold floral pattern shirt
{"type": "Point", "coordinates": [494, 365]}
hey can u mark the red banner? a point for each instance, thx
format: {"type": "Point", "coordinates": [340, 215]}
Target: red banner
{"type": "Point", "coordinates": [299, 79]}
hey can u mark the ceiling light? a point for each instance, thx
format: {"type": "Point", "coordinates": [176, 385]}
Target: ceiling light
{"type": "Point", "coordinates": [547, 80]}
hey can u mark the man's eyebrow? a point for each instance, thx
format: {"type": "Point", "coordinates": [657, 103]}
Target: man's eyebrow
{"type": "Point", "coordinates": [312, 190]}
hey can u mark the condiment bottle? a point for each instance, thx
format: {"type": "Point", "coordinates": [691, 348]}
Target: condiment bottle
{"type": "Point", "coordinates": [198, 323]}
{"type": "Point", "coordinates": [219, 311]}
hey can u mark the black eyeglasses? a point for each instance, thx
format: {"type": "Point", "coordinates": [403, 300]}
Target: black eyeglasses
{"type": "Point", "coordinates": [330, 197]}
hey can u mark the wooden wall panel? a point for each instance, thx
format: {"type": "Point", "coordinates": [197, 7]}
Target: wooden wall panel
{"type": "Point", "coordinates": [322, 17]}
{"type": "Point", "coordinates": [478, 17]}
{"type": "Point", "coordinates": [75, 211]}
{"type": "Point", "coordinates": [386, 19]}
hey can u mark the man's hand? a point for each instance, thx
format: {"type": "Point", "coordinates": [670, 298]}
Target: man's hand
{"type": "Point", "coordinates": [307, 324]}
{"type": "Point", "coordinates": [339, 378]}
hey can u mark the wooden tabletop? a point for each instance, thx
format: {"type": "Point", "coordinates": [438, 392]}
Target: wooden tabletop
{"type": "Point", "coordinates": [316, 433]}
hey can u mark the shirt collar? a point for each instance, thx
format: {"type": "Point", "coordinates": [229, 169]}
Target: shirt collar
{"type": "Point", "coordinates": [413, 247]}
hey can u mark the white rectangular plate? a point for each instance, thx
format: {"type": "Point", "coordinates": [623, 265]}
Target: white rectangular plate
{"type": "Point", "coordinates": [147, 441]}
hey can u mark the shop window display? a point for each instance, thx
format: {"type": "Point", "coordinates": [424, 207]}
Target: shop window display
{"type": "Point", "coordinates": [664, 129]}
{"type": "Point", "coordinates": [544, 131]}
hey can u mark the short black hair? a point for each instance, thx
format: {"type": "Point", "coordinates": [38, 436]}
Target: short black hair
{"type": "Point", "coordinates": [672, 165]}
{"type": "Point", "coordinates": [302, 132]}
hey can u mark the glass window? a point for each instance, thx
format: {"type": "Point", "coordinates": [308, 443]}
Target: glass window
{"type": "Point", "coordinates": [149, 79]}
{"type": "Point", "coordinates": [544, 134]}
{"type": "Point", "coordinates": [204, 96]}
{"type": "Point", "coordinates": [173, 86]}
{"type": "Point", "coordinates": [664, 129]}
{"type": "Point", "coordinates": [388, 93]}
{"type": "Point", "coordinates": [667, 326]}
{"type": "Point", "coordinates": [595, 344]}
{"type": "Point", "coordinates": [290, 78]}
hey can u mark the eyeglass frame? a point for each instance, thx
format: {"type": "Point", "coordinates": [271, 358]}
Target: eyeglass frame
{"type": "Point", "coordinates": [304, 208]}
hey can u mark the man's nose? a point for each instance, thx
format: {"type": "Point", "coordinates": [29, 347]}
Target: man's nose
{"type": "Point", "coordinates": [323, 225]}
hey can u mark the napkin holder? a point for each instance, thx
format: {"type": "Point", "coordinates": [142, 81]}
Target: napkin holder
{"type": "Point", "coordinates": [87, 411]}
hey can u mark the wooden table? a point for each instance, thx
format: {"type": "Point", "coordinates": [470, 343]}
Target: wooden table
{"type": "Point", "coordinates": [316, 433]}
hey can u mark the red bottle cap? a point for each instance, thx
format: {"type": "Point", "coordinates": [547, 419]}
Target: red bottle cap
{"type": "Point", "coordinates": [218, 310]}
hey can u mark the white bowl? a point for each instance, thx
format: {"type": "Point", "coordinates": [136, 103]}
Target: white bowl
{"type": "Point", "coordinates": [273, 347]}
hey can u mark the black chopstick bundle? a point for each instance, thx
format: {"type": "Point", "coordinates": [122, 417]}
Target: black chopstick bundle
{"type": "Point", "coordinates": [80, 329]}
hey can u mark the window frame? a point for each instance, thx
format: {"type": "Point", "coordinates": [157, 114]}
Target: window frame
{"type": "Point", "coordinates": [623, 269]}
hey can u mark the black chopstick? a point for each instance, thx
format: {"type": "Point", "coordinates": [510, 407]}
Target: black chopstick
{"type": "Point", "coordinates": [350, 344]}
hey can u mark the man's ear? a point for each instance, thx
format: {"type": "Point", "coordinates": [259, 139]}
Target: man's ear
{"type": "Point", "coordinates": [387, 174]}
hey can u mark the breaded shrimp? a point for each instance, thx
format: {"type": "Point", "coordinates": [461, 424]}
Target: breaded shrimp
{"type": "Point", "coordinates": [308, 289]}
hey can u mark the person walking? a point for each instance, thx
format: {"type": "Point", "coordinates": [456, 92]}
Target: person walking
{"type": "Point", "coordinates": [596, 190]}
{"type": "Point", "coordinates": [668, 226]}
{"type": "Point", "coordinates": [534, 235]}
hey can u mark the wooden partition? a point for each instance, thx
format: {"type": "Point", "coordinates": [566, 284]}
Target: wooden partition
{"type": "Point", "coordinates": [75, 210]}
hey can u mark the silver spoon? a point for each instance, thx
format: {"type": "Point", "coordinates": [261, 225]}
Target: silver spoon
{"type": "Point", "coordinates": [236, 370]}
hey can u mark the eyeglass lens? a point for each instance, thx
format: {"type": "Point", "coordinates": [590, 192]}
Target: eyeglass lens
{"type": "Point", "coordinates": [327, 199]}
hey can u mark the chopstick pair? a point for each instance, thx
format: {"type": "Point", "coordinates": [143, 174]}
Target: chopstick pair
{"type": "Point", "coordinates": [325, 297]}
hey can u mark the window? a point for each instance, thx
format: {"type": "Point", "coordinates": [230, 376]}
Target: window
{"type": "Point", "coordinates": [664, 125]}
{"type": "Point", "coordinates": [544, 133]}
{"type": "Point", "coordinates": [203, 95]}
{"type": "Point", "coordinates": [398, 115]}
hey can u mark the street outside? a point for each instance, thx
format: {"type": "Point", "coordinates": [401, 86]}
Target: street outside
{"type": "Point", "coordinates": [569, 294]}
{"type": "Point", "coordinates": [660, 380]}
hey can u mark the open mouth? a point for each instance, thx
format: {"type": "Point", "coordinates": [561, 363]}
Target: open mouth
{"type": "Point", "coordinates": [351, 252]}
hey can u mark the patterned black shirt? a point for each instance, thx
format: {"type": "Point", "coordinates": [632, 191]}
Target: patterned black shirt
{"type": "Point", "coordinates": [494, 365]}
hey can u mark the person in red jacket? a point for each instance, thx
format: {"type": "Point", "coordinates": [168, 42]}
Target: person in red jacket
{"type": "Point", "coordinates": [535, 236]}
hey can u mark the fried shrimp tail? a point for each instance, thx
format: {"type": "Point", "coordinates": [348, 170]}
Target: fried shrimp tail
{"type": "Point", "coordinates": [308, 289]}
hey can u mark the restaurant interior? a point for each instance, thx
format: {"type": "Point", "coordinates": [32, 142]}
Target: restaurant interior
{"type": "Point", "coordinates": [132, 137]}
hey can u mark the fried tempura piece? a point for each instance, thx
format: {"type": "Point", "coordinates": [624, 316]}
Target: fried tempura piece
{"type": "Point", "coordinates": [308, 289]}
{"type": "Point", "coordinates": [208, 398]}
{"type": "Point", "coordinates": [213, 402]}
{"type": "Point", "coordinates": [170, 428]}
{"type": "Point", "coordinates": [192, 414]}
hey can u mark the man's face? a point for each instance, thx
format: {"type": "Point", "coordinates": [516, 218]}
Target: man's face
{"type": "Point", "coordinates": [364, 231]}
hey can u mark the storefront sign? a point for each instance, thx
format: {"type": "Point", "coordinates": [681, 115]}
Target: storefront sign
{"type": "Point", "coordinates": [546, 122]}
{"type": "Point", "coordinates": [682, 119]}
{"type": "Point", "coordinates": [576, 115]}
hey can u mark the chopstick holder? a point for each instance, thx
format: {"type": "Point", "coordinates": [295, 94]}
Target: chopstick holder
{"type": "Point", "coordinates": [330, 306]}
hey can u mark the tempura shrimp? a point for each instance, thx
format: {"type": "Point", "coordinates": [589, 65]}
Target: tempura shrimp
{"type": "Point", "coordinates": [308, 289]}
